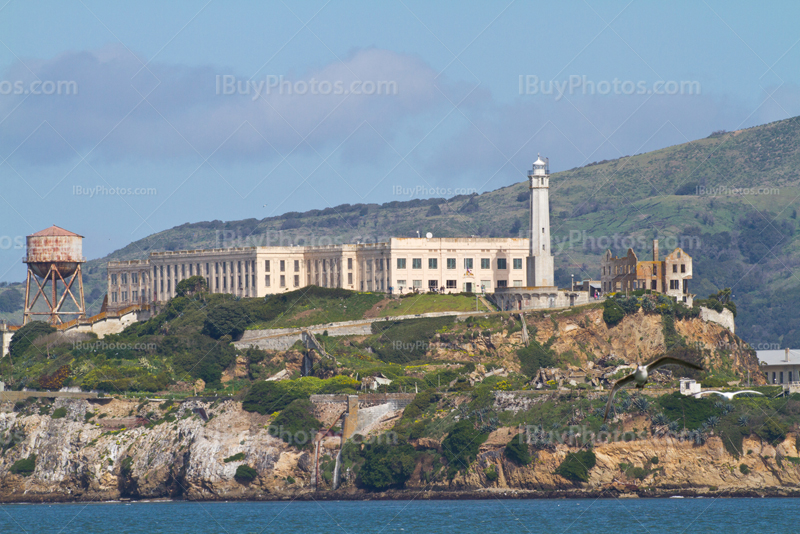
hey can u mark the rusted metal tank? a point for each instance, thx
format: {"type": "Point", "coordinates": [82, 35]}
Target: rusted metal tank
{"type": "Point", "coordinates": [54, 246]}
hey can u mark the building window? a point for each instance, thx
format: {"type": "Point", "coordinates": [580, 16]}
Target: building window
{"type": "Point", "coordinates": [350, 263]}
{"type": "Point", "coordinates": [114, 279]}
{"type": "Point", "coordinates": [450, 284]}
{"type": "Point", "coordinates": [653, 284]}
{"type": "Point", "coordinates": [401, 284]}
{"type": "Point", "coordinates": [224, 267]}
{"type": "Point", "coordinates": [502, 283]}
{"type": "Point", "coordinates": [135, 295]}
{"type": "Point", "coordinates": [124, 296]}
{"type": "Point", "coordinates": [485, 284]}
{"type": "Point", "coordinates": [773, 373]}
{"type": "Point", "coordinates": [433, 285]}
{"type": "Point", "coordinates": [417, 284]}
{"type": "Point", "coordinates": [124, 277]}
{"type": "Point", "coordinates": [517, 283]}
{"type": "Point", "coordinates": [433, 263]}
{"type": "Point", "coordinates": [283, 281]}
{"type": "Point", "coordinates": [781, 382]}
{"type": "Point", "coordinates": [502, 264]}
{"type": "Point", "coordinates": [266, 266]}
{"type": "Point", "coordinates": [517, 263]}
{"type": "Point", "coordinates": [683, 267]}
{"type": "Point", "coordinates": [451, 263]}
{"type": "Point", "coordinates": [162, 285]}
{"type": "Point", "coordinates": [467, 263]}
{"type": "Point", "coordinates": [266, 280]}
{"type": "Point", "coordinates": [674, 268]}
{"type": "Point", "coordinates": [401, 263]}
{"type": "Point", "coordinates": [297, 267]}
{"type": "Point", "coordinates": [674, 284]}
{"type": "Point", "coordinates": [246, 281]}
{"type": "Point", "coordinates": [183, 271]}
{"type": "Point", "coordinates": [486, 263]}
{"type": "Point", "coordinates": [114, 299]}
{"type": "Point", "coordinates": [296, 280]}
{"type": "Point", "coordinates": [282, 265]}
{"type": "Point", "coordinates": [224, 283]}
{"type": "Point", "coordinates": [169, 285]}
{"type": "Point", "coordinates": [416, 263]}
{"type": "Point", "coordinates": [350, 278]}
{"type": "Point", "coordinates": [190, 269]}
{"type": "Point", "coordinates": [135, 278]}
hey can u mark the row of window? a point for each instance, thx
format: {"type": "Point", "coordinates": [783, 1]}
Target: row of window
{"type": "Point", "coordinates": [124, 296]}
{"type": "Point", "coordinates": [433, 263]}
{"type": "Point", "coordinates": [433, 285]}
{"type": "Point", "coordinates": [281, 281]}
{"type": "Point", "coordinates": [123, 277]}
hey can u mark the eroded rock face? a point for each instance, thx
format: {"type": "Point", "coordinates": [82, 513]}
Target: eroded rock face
{"type": "Point", "coordinates": [181, 455]}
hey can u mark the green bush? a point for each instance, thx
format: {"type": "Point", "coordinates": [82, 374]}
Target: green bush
{"type": "Point", "coordinates": [228, 318]}
{"type": "Point", "coordinates": [386, 465]}
{"type": "Point", "coordinates": [772, 431]}
{"type": "Point", "coordinates": [296, 424]}
{"type": "Point", "coordinates": [517, 450]}
{"type": "Point", "coordinates": [24, 467]}
{"type": "Point", "coordinates": [238, 457]}
{"type": "Point", "coordinates": [59, 413]}
{"type": "Point", "coordinates": [491, 473]}
{"type": "Point", "coordinates": [744, 469]}
{"type": "Point", "coordinates": [576, 466]}
{"type": "Point", "coordinates": [533, 357]}
{"type": "Point", "coordinates": [406, 341]}
{"type": "Point", "coordinates": [190, 286]}
{"type": "Point", "coordinates": [689, 410]}
{"type": "Point", "coordinates": [245, 474]}
{"type": "Point", "coordinates": [460, 447]}
{"type": "Point", "coordinates": [25, 336]}
{"type": "Point", "coordinates": [612, 312]}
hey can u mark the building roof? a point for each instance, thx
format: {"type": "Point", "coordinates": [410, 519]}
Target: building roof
{"type": "Point", "coordinates": [778, 357]}
{"type": "Point", "coordinates": [54, 231]}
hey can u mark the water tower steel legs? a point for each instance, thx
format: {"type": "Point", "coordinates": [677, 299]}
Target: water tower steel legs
{"type": "Point", "coordinates": [56, 303]}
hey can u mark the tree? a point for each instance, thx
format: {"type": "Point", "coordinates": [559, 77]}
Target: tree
{"type": "Point", "coordinates": [25, 336]}
{"type": "Point", "coordinates": [387, 466]}
{"type": "Point", "coordinates": [460, 447]}
{"type": "Point", "coordinates": [190, 286]}
{"type": "Point", "coordinates": [227, 319]}
{"type": "Point", "coordinates": [10, 301]}
{"type": "Point", "coordinates": [433, 211]}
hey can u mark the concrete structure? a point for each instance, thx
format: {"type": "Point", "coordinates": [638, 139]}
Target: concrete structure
{"type": "Point", "coordinates": [54, 255]}
{"type": "Point", "coordinates": [5, 339]}
{"type": "Point", "coordinates": [402, 265]}
{"type": "Point", "coordinates": [781, 367]}
{"type": "Point", "coordinates": [689, 387]}
{"type": "Point", "coordinates": [539, 290]}
{"type": "Point", "coordinates": [724, 318]}
{"type": "Point", "coordinates": [670, 276]}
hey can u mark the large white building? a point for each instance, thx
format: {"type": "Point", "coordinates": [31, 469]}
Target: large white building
{"type": "Point", "coordinates": [401, 265]}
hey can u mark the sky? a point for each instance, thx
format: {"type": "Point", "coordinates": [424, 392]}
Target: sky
{"type": "Point", "coordinates": [122, 119]}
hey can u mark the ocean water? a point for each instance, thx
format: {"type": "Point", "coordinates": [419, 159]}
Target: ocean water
{"type": "Point", "coordinates": [503, 516]}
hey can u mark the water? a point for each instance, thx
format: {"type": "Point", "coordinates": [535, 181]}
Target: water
{"type": "Point", "coordinates": [599, 516]}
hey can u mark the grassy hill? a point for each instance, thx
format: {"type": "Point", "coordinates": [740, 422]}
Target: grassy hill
{"type": "Point", "coordinates": [744, 241]}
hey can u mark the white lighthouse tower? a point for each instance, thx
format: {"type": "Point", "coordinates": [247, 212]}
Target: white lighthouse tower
{"type": "Point", "coordinates": [540, 260]}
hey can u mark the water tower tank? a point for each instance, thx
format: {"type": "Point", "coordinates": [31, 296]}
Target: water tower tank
{"type": "Point", "coordinates": [54, 246]}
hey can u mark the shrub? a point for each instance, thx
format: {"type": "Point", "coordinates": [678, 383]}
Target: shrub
{"type": "Point", "coordinates": [296, 425]}
{"type": "Point", "coordinates": [24, 467]}
{"type": "Point", "coordinates": [576, 466]}
{"type": "Point", "coordinates": [56, 380]}
{"type": "Point", "coordinates": [245, 474]}
{"type": "Point", "coordinates": [612, 313]}
{"type": "Point", "coordinates": [59, 413]}
{"type": "Point", "coordinates": [228, 318]}
{"type": "Point", "coordinates": [517, 451]}
{"type": "Point", "coordinates": [25, 336]}
{"type": "Point", "coordinates": [190, 286]}
{"type": "Point", "coordinates": [772, 432]}
{"type": "Point", "coordinates": [387, 466]}
{"type": "Point", "coordinates": [460, 447]}
{"type": "Point", "coordinates": [533, 357]}
{"type": "Point", "coordinates": [238, 457]}
{"type": "Point", "coordinates": [744, 469]}
{"type": "Point", "coordinates": [491, 473]}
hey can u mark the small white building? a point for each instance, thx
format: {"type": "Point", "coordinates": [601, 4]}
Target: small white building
{"type": "Point", "coordinates": [781, 367]}
{"type": "Point", "coordinates": [690, 387]}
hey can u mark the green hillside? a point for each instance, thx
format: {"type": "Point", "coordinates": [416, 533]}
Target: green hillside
{"type": "Point", "coordinates": [743, 241]}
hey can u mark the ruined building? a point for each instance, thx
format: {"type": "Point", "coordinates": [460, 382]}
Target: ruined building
{"type": "Point", "coordinates": [669, 276]}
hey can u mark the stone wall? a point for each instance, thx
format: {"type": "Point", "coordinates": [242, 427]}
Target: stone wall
{"type": "Point", "coordinates": [724, 319]}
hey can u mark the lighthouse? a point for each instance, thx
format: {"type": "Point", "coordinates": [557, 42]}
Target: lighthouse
{"type": "Point", "coordinates": [540, 259]}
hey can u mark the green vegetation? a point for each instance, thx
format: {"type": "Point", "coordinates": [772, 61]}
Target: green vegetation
{"type": "Point", "coordinates": [612, 312]}
{"type": "Point", "coordinates": [491, 473]}
{"type": "Point", "coordinates": [24, 467]}
{"type": "Point", "coordinates": [517, 451]}
{"type": "Point", "coordinates": [460, 447]}
{"type": "Point", "coordinates": [405, 341]}
{"type": "Point", "coordinates": [535, 356]}
{"type": "Point", "coordinates": [576, 465]}
{"type": "Point", "coordinates": [386, 465]}
{"type": "Point", "coordinates": [429, 303]}
{"type": "Point", "coordinates": [270, 397]}
{"type": "Point", "coordinates": [245, 474]}
{"type": "Point", "coordinates": [744, 469]}
{"type": "Point", "coordinates": [296, 424]}
{"type": "Point", "coordinates": [238, 457]}
{"type": "Point", "coordinates": [59, 413]}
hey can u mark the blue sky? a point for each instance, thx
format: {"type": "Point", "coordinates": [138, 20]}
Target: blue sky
{"type": "Point", "coordinates": [151, 117]}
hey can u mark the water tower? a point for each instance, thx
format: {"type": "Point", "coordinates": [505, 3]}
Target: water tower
{"type": "Point", "coordinates": [54, 255]}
